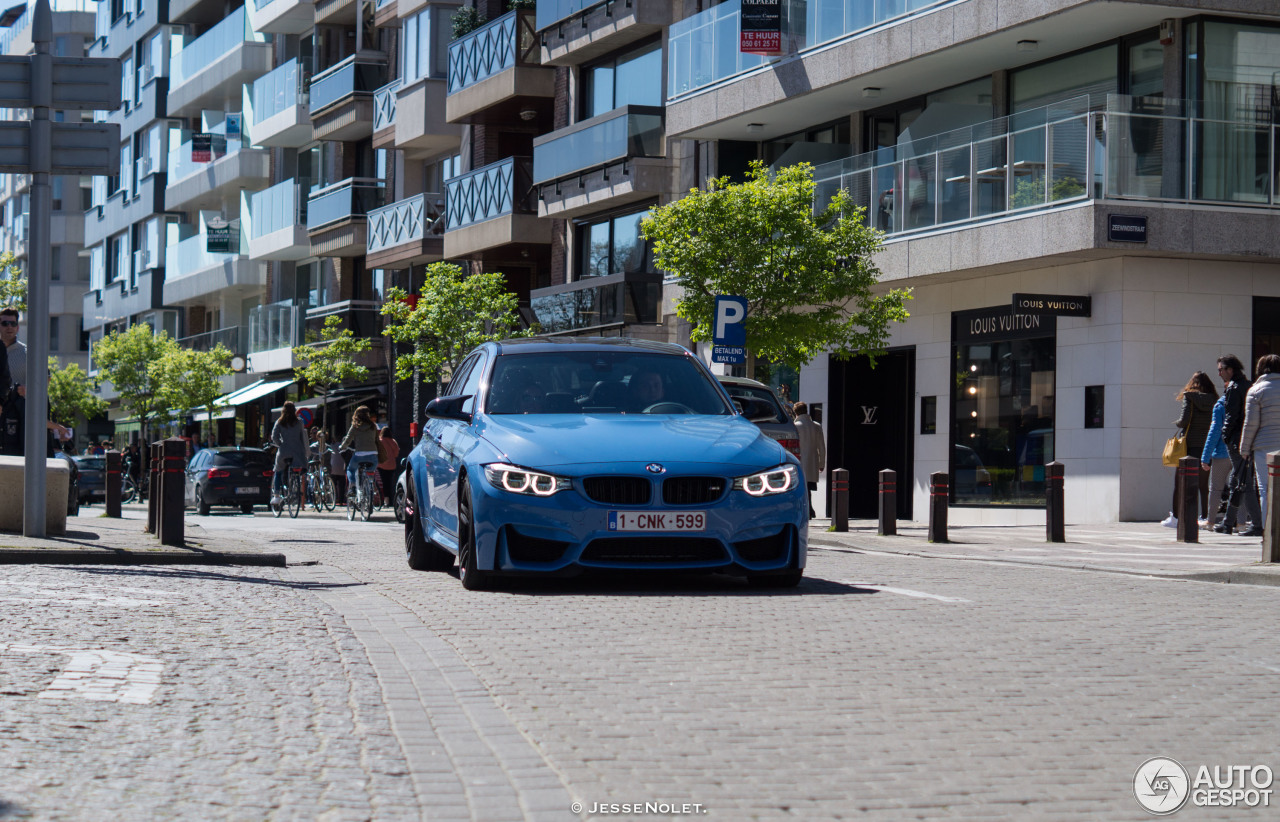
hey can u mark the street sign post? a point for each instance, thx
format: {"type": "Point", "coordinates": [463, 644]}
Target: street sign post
{"type": "Point", "coordinates": [42, 147]}
{"type": "Point", "coordinates": [729, 336]}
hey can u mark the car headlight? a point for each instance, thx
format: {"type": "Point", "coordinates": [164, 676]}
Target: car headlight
{"type": "Point", "coordinates": [774, 481]}
{"type": "Point", "coordinates": [519, 480]}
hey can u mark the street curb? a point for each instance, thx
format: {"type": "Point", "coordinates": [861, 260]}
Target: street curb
{"type": "Point", "coordinates": [1236, 576]}
{"type": "Point", "coordinates": [96, 556]}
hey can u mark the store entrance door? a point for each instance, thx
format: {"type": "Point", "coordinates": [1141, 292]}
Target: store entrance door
{"type": "Point", "coordinates": [872, 420]}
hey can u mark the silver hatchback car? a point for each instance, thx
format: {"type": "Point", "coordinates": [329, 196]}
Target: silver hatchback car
{"type": "Point", "coordinates": [780, 426]}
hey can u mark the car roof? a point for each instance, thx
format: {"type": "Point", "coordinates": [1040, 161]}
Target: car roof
{"type": "Point", "coordinates": [226, 449]}
{"type": "Point", "coordinates": [728, 380]}
{"type": "Point", "coordinates": [531, 345]}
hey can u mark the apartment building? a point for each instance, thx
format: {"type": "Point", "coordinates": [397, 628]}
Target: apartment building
{"type": "Point", "coordinates": [1121, 157]}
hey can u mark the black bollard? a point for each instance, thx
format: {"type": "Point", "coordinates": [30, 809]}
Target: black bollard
{"type": "Point", "coordinates": [172, 504]}
{"type": "Point", "coordinates": [1271, 532]}
{"type": "Point", "coordinates": [113, 484]}
{"type": "Point", "coordinates": [840, 493]}
{"type": "Point", "coordinates": [888, 503]}
{"type": "Point", "coordinates": [1188, 499]}
{"type": "Point", "coordinates": [939, 496]}
{"type": "Point", "coordinates": [153, 484]}
{"type": "Point", "coordinates": [1054, 510]}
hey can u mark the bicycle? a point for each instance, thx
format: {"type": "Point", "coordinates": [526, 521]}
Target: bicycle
{"type": "Point", "coordinates": [131, 489]}
{"type": "Point", "coordinates": [320, 487]}
{"type": "Point", "coordinates": [360, 498]}
{"type": "Point", "coordinates": [292, 496]}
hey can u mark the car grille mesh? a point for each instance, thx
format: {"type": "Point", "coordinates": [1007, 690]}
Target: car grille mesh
{"type": "Point", "coordinates": [618, 490]}
{"type": "Point", "coordinates": [637, 550]}
{"type": "Point", "coordinates": [692, 490]}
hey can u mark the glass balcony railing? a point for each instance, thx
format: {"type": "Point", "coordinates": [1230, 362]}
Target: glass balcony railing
{"type": "Point", "coordinates": [363, 317]}
{"type": "Point", "coordinates": [231, 339]}
{"type": "Point", "coordinates": [211, 46]}
{"type": "Point", "coordinates": [192, 157]}
{"type": "Point", "coordinates": [346, 79]}
{"type": "Point", "coordinates": [703, 49]}
{"type": "Point", "coordinates": [279, 90]}
{"type": "Point", "coordinates": [630, 131]}
{"type": "Point", "coordinates": [189, 256]}
{"type": "Point", "coordinates": [276, 325]}
{"type": "Point", "coordinates": [550, 12]}
{"type": "Point", "coordinates": [384, 105]}
{"type": "Point", "coordinates": [405, 221]}
{"type": "Point", "coordinates": [355, 197]}
{"type": "Point", "coordinates": [282, 206]}
{"type": "Point", "coordinates": [599, 301]}
{"type": "Point", "coordinates": [504, 187]}
{"type": "Point", "coordinates": [498, 45]}
{"type": "Point", "coordinates": [1127, 149]}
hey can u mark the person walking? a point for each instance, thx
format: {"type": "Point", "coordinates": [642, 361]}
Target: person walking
{"type": "Point", "coordinates": [813, 450]}
{"type": "Point", "coordinates": [338, 471]}
{"type": "Point", "coordinates": [11, 421]}
{"type": "Point", "coordinates": [1240, 482]}
{"type": "Point", "coordinates": [1197, 397]}
{"type": "Point", "coordinates": [1261, 433]}
{"type": "Point", "coordinates": [387, 467]}
{"type": "Point", "coordinates": [290, 438]}
{"type": "Point", "coordinates": [1218, 460]}
{"type": "Point", "coordinates": [362, 438]}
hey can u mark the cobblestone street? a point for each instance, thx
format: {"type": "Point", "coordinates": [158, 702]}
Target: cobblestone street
{"type": "Point", "coordinates": [884, 687]}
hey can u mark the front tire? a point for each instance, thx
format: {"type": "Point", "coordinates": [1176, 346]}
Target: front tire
{"type": "Point", "coordinates": [473, 579]}
{"type": "Point", "coordinates": [399, 504]}
{"type": "Point", "coordinates": [351, 505]}
{"type": "Point", "coordinates": [421, 553]}
{"type": "Point", "coordinates": [294, 500]}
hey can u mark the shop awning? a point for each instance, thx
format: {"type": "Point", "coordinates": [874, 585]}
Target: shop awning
{"type": "Point", "coordinates": [256, 391]}
{"type": "Point", "coordinates": [339, 398]}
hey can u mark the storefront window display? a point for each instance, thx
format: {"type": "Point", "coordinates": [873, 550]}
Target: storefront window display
{"type": "Point", "coordinates": [1002, 406]}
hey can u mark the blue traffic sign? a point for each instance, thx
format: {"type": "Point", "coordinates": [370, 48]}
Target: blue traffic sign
{"type": "Point", "coordinates": [729, 337]}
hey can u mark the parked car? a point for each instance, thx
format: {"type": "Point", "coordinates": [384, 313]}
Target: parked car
{"type": "Point", "coordinates": [239, 477]}
{"type": "Point", "coordinates": [552, 456]}
{"type": "Point", "coordinates": [972, 481]}
{"type": "Point", "coordinates": [93, 479]}
{"type": "Point", "coordinates": [73, 487]}
{"type": "Point", "coordinates": [777, 423]}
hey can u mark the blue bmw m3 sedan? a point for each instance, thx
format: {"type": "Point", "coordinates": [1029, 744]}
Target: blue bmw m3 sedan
{"type": "Point", "coordinates": [557, 455]}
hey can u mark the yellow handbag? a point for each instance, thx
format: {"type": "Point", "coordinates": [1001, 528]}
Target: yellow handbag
{"type": "Point", "coordinates": [1175, 449]}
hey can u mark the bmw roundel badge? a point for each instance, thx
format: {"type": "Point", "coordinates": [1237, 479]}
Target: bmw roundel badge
{"type": "Point", "coordinates": [655, 468]}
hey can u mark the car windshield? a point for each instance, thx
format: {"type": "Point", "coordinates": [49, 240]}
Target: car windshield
{"type": "Point", "coordinates": [243, 459]}
{"type": "Point", "coordinates": [763, 395]}
{"type": "Point", "coordinates": [601, 382]}
{"type": "Point", "coordinates": [93, 463]}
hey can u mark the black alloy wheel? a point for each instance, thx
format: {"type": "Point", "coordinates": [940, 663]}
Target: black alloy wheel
{"type": "Point", "coordinates": [419, 552]}
{"type": "Point", "coordinates": [473, 579]}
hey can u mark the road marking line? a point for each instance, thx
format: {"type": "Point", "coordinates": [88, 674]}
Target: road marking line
{"type": "Point", "coordinates": [98, 675]}
{"type": "Point", "coordinates": [906, 592]}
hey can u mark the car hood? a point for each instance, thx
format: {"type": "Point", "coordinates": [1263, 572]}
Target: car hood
{"type": "Point", "coordinates": [544, 441]}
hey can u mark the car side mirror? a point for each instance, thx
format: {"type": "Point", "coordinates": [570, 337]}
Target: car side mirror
{"type": "Point", "coordinates": [755, 410]}
{"type": "Point", "coordinates": [448, 408]}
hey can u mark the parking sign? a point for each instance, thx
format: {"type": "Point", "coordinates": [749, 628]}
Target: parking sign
{"type": "Point", "coordinates": [729, 339]}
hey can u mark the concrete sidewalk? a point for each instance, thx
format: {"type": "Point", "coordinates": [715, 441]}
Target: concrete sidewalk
{"type": "Point", "coordinates": [1126, 547]}
{"type": "Point", "coordinates": [94, 539]}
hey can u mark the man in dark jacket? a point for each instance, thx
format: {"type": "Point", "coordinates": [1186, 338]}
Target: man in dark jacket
{"type": "Point", "coordinates": [1236, 385]}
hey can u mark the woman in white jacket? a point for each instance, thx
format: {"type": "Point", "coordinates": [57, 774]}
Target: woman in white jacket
{"type": "Point", "coordinates": [1261, 433]}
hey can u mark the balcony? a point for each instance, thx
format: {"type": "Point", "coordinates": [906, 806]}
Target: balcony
{"type": "Point", "coordinates": [276, 222]}
{"type": "Point", "coordinates": [232, 168]}
{"type": "Point", "coordinates": [279, 113]}
{"type": "Point", "coordinates": [119, 300]}
{"type": "Point", "coordinates": [607, 161]}
{"type": "Point", "coordinates": [337, 216]}
{"type": "Point", "coordinates": [598, 303]}
{"type": "Point", "coordinates": [207, 72]}
{"type": "Point", "coordinates": [192, 273]}
{"type": "Point", "coordinates": [336, 12]}
{"type": "Point", "coordinates": [575, 31]}
{"type": "Point", "coordinates": [421, 129]}
{"type": "Point", "coordinates": [196, 12]}
{"type": "Point", "coordinates": [407, 232]}
{"type": "Point", "coordinates": [362, 317]}
{"type": "Point", "coordinates": [495, 73]}
{"type": "Point", "coordinates": [282, 16]}
{"type": "Point", "coordinates": [274, 330]}
{"type": "Point", "coordinates": [492, 207]}
{"type": "Point", "coordinates": [232, 339]}
{"type": "Point", "coordinates": [342, 98]}
{"type": "Point", "coordinates": [384, 115]}
{"type": "Point", "coordinates": [386, 14]}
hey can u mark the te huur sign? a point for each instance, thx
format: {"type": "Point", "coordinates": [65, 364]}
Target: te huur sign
{"type": "Point", "coordinates": [761, 27]}
{"type": "Point", "coordinates": [1059, 305]}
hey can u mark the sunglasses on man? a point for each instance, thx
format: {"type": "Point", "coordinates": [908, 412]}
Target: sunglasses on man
{"type": "Point", "coordinates": [9, 323]}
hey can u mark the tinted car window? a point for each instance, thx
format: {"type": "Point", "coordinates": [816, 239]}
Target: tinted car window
{"type": "Point", "coordinates": [92, 463]}
{"type": "Point", "coordinates": [762, 394]}
{"type": "Point", "coordinates": [243, 459]}
{"type": "Point", "coordinates": [600, 382]}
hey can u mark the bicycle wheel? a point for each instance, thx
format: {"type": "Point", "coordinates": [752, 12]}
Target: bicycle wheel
{"type": "Point", "coordinates": [313, 488]}
{"type": "Point", "coordinates": [128, 489]}
{"type": "Point", "coordinates": [277, 503]}
{"type": "Point", "coordinates": [368, 492]}
{"type": "Point", "coordinates": [330, 493]}
{"type": "Point", "coordinates": [352, 493]}
{"type": "Point", "coordinates": [294, 499]}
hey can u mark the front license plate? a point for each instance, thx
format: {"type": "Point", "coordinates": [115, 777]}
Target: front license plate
{"type": "Point", "coordinates": [246, 490]}
{"type": "Point", "coordinates": [657, 521]}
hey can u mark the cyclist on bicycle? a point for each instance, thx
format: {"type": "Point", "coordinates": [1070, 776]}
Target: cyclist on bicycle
{"type": "Point", "coordinates": [290, 438]}
{"type": "Point", "coordinates": [363, 439]}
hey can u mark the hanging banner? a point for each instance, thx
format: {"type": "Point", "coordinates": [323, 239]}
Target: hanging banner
{"type": "Point", "coordinates": [201, 148]}
{"type": "Point", "coordinates": [221, 237]}
{"type": "Point", "coordinates": [761, 31]}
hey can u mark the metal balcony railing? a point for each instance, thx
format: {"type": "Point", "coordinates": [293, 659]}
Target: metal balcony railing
{"type": "Point", "coordinates": [354, 197]}
{"type": "Point", "coordinates": [384, 105]}
{"type": "Point", "coordinates": [276, 325]}
{"type": "Point", "coordinates": [504, 187]}
{"type": "Point", "coordinates": [498, 45]}
{"type": "Point", "coordinates": [231, 339]}
{"type": "Point", "coordinates": [630, 131]}
{"type": "Point", "coordinates": [408, 220]}
{"type": "Point", "coordinates": [346, 79]}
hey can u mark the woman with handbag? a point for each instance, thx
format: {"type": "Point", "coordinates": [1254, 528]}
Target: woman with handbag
{"type": "Point", "coordinates": [1197, 398]}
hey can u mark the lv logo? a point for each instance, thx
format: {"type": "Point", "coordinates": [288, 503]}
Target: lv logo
{"type": "Point", "coordinates": [869, 414]}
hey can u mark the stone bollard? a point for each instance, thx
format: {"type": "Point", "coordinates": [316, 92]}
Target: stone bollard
{"type": "Point", "coordinates": [888, 503]}
{"type": "Point", "coordinates": [113, 484]}
{"type": "Point", "coordinates": [840, 494]}
{"type": "Point", "coordinates": [153, 481]}
{"type": "Point", "coordinates": [939, 496]}
{"type": "Point", "coordinates": [1271, 536]}
{"type": "Point", "coordinates": [1188, 499]}
{"type": "Point", "coordinates": [172, 504]}
{"type": "Point", "coordinates": [1054, 510]}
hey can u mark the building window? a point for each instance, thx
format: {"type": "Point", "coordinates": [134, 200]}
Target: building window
{"type": "Point", "coordinates": [53, 334]}
{"type": "Point", "coordinates": [1093, 72]}
{"type": "Point", "coordinates": [633, 78]}
{"type": "Point", "coordinates": [613, 246]}
{"type": "Point", "coordinates": [126, 84]}
{"type": "Point", "coordinates": [1002, 424]}
{"type": "Point", "coordinates": [426, 44]}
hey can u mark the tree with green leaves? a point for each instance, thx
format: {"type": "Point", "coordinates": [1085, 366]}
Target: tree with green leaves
{"type": "Point", "coordinates": [130, 361]}
{"type": "Point", "coordinates": [453, 314]}
{"type": "Point", "coordinates": [189, 380]}
{"type": "Point", "coordinates": [806, 270]}
{"type": "Point", "coordinates": [13, 283]}
{"type": "Point", "coordinates": [331, 360]}
{"type": "Point", "coordinates": [71, 394]}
